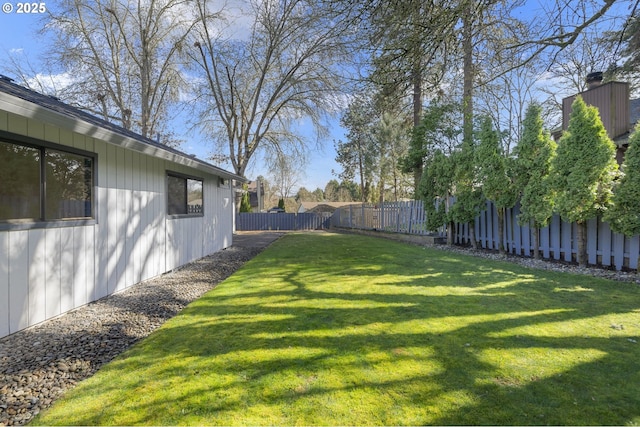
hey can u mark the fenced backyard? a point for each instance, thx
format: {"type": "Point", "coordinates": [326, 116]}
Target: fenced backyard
{"type": "Point", "coordinates": [342, 329]}
{"type": "Point", "coordinates": [558, 241]}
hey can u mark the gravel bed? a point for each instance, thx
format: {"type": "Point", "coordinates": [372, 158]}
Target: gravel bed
{"type": "Point", "coordinates": [542, 264]}
{"type": "Point", "coordinates": [39, 364]}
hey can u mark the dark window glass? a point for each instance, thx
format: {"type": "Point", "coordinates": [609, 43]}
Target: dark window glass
{"type": "Point", "coordinates": [177, 195]}
{"type": "Point", "coordinates": [184, 195]}
{"type": "Point", "coordinates": [19, 182]}
{"type": "Point", "coordinates": [68, 185]}
{"type": "Point", "coordinates": [63, 192]}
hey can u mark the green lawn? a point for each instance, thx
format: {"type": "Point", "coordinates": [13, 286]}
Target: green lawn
{"type": "Point", "coordinates": [333, 329]}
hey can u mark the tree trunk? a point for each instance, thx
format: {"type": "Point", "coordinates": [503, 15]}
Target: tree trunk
{"type": "Point", "coordinates": [536, 242]}
{"type": "Point", "coordinates": [238, 201]}
{"type": "Point", "coordinates": [501, 247]}
{"type": "Point", "coordinates": [417, 113]}
{"type": "Point", "coordinates": [416, 79]}
{"type": "Point", "coordinates": [472, 234]}
{"type": "Point", "coordinates": [582, 243]}
{"type": "Point", "coordinates": [450, 227]}
{"type": "Point", "coordinates": [467, 90]}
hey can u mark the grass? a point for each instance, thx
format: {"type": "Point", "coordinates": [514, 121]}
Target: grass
{"type": "Point", "coordinates": [331, 329]}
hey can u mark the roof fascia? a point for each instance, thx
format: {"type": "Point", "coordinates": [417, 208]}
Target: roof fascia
{"type": "Point", "coordinates": [33, 111]}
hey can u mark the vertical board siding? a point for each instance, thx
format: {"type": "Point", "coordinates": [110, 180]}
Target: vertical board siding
{"type": "Point", "coordinates": [4, 284]}
{"type": "Point", "coordinates": [80, 280]}
{"type": "Point", "coordinates": [49, 271]}
{"type": "Point", "coordinates": [37, 289]}
{"type": "Point", "coordinates": [67, 270]}
{"type": "Point", "coordinates": [19, 280]}
{"type": "Point", "coordinates": [52, 283]}
{"type": "Point", "coordinates": [557, 241]}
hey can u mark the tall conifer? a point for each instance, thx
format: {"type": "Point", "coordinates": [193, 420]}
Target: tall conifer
{"type": "Point", "coordinates": [495, 174]}
{"type": "Point", "coordinates": [624, 215]}
{"type": "Point", "coordinates": [583, 171]}
{"type": "Point", "coordinates": [534, 152]}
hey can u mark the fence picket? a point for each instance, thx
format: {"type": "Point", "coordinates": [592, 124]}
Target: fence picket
{"type": "Point", "coordinates": [554, 225]}
{"type": "Point", "coordinates": [565, 243]}
{"type": "Point", "coordinates": [634, 250]}
{"type": "Point", "coordinates": [618, 250]}
{"type": "Point", "coordinates": [544, 241]}
{"type": "Point", "coordinates": [557, 240]}
{"type": "Point", "coordinates": [594, 241]}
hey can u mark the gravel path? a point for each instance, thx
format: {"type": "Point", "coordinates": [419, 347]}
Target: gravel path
{"type": "Point", "coordinates": [39, 364]}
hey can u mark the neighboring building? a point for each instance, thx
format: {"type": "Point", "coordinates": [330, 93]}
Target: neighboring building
{"type": "Point", "coordinates": [619, 114]}
{"type": "Point", "coordinates": [323, 207]}
{"type": "Point", "coordinates": [88, 209]}
{"type": "Point", "coordinates": [256, 195]}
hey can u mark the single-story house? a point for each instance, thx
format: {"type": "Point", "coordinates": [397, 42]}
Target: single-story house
{"type": "Point", "coordinates": [88, 208]}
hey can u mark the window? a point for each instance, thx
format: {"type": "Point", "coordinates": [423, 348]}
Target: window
{"type": "Point", "coordinates": [44, 184]}
{"type": "Point", "coordinates": [184, 195]}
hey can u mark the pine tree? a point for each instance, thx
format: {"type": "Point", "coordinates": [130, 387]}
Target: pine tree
{"type": "Point", "coordinates": [281, 204]}
{"type": "Point", "coordinates": [532, 166]}
{"type": "Point", "coordinates": [624, 215]}
{"type": "Point", "coordinates": [583, 171]}
{"type": "Point", "coordinates": [495, 174]}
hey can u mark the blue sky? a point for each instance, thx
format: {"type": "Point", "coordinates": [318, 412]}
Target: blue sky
{"type": "Point", "coordinates": [19, 31]}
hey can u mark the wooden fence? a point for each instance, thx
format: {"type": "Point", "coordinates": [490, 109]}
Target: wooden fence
{"type": "Point", "coordinates": [397, 217]}
{"type": "Point", "coordinates": [282, 221]}
{"type": "Point", "coordinates": [558, 241]}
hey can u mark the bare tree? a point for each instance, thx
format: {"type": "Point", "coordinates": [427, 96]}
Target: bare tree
{"type": "Point", "coordinates": [284, 173]}
{"type": "Point", "coordinates": [559, 23]}
{"type": "Point", "coordinates": [567, 75]}
{"type": "Point", "coordinates": [122, 58]}
{"type": "Point", "coordinates": [505, 99]}
{"type": "Point", "coordinates": [254, 90]}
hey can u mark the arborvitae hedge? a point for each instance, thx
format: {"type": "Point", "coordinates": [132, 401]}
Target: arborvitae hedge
{"type": "Point", "coordinates": [624, 215]}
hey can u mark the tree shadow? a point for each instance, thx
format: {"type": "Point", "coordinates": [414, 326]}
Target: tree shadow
{"type": "Point", "coordinates": [513, 347]}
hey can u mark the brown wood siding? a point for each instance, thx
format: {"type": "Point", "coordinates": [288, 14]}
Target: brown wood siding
{"type": "Point", "coordinates": [612, 99]}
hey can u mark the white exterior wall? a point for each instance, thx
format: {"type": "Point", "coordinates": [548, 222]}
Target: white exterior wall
{"type": "Point", "coordinates": [45, 272]}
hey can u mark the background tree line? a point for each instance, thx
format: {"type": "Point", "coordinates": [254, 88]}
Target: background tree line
{"type": "Point", "coordinates": [246, 74]}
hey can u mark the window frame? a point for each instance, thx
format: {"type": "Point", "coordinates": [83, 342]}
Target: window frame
{"type": "Point", "coordinates": [180, 175]}
{"type": "Point", "coordinates": [42, 146]}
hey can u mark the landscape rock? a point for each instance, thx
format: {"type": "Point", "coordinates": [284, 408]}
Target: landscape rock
{"type": "Point", "coordinates": [38, 364]}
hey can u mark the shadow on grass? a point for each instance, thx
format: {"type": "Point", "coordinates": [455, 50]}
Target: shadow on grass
{"type": "Point", "coordinates": [354, 331]}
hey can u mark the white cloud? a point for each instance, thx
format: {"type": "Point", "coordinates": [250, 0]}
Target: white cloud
{"type": "Point", "coordinates": [50, 83]}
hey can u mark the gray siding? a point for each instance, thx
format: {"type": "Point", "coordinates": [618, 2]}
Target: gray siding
{"type": "Point", "coordinates": [47, 272]}
{"type": "Point", "coordinates": [612, 100]}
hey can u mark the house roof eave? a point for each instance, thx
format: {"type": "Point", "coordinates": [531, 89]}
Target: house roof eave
{"type": "Point", "coordinates": [32, 110]}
